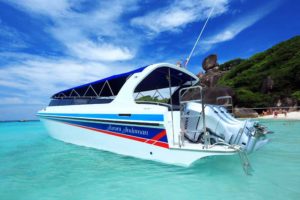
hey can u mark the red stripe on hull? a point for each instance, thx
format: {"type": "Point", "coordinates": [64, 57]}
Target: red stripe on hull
{"type": "Point", "coordinates": [156, 143]}
{"type": "Point", "coordinates": [161, 144]}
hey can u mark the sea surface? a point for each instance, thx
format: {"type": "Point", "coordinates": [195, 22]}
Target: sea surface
{"type": "Point", "coordinates": [34, 166]}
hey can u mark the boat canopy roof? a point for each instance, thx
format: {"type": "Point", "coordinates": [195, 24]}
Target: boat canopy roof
{"type": "Point", "coordinates": [110, 86]}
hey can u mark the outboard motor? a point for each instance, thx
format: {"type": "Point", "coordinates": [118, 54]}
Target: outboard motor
{"type": "Point", "coordinates": [222, 127]}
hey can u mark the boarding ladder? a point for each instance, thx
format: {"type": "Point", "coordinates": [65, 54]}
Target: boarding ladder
{"type": "Point", "coordinates": [182, 102]}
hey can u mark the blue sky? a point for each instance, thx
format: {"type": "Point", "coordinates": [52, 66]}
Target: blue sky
{"type": "Point", "coordinates": [47, 46]}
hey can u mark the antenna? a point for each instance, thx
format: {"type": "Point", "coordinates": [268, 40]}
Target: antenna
{"type": "Point", "coordinates": [199, 36]}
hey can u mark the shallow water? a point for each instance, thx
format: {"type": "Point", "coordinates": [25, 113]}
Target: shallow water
{"type": "Point", "coordinates": [35, 166]}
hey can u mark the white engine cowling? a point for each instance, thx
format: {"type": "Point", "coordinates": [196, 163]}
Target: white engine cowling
{"type": "Point", "coordinates": [222, 126]}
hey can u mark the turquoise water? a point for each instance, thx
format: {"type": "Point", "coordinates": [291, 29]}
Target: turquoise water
{"type": "Point", "coordinates": [35, 166]}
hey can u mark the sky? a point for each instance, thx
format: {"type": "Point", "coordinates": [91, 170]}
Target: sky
{"type": "Point", "coordinates": [48, 46]}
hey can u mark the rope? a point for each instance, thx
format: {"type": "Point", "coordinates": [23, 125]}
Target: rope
{"type": "Point", "coordinates": [199, 36]}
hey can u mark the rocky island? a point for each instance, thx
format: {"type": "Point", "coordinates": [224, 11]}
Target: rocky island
{"type": "Point", "coordinates": [269, 79]}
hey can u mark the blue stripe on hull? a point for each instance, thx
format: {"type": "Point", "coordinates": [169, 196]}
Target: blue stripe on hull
{"type": "Point", "coordinates": [141, 117]}
{"type": "Point", "coordinates": [136, 131]}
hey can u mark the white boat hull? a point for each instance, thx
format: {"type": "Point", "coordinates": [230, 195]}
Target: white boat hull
{"type": "Point", "coordinates": [107, 115]}
{"type": "Point", "coordinates": [124, 146]}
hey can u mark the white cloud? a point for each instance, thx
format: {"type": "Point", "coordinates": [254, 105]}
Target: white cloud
{"type": "Point", "coordinates": [179, 14]}
{"type": "Point", "coordinates": [53, 8]}
{"type": "Point", "coordinates": [11, 100]}
{"type": "Point", "coordinates": [243, 22]}
{"type": "Point", "coordinates": [11, 38]}
{"type": "Point", "coordinates": [79, 32]}
{"type": "Point", "coordinates": [235, 28]}
{"type": "Point", "coordinates": [37, 78]}
{"type": "Point", "coordinates": [95, 39]}
{"type": "Point", "coordinates": [104, 52]}
{"type": "Point", "coordinates": [231, 30]}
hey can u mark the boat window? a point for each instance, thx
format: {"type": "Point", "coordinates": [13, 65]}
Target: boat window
{"type": "Point", "coordinates": [65, 102]}
{"type": "Point", "coordinates": [161, 86]}
{"type": "Point", "coordinates": [155, 97]}
{"type": "Point", "coordinates": [159, 95]}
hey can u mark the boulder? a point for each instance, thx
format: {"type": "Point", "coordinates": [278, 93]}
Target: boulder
{"type": "Point", "coordinates": [210, 94]}
{"type": "Point", "coordinates": [210, 62]}
{"type": "Point", "coordinates": [209, 80]}
{"type": "Point", "coordinates": [245, 113]}
{"type": "Point", "coordinates": [211, 77]}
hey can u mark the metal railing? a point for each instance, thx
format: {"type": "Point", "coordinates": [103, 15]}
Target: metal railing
{"type": "Point", "coordinates": [228, 105]}
{"type": "Point", "coordinates": [182, 103]}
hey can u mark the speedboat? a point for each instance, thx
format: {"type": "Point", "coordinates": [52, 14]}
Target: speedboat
{"type": "Point", "coordinates": [108, 115]}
